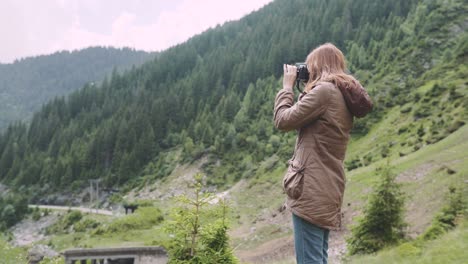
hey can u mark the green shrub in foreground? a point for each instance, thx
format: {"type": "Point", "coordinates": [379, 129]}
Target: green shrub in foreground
{"type": "Point", "coordinates": [198, 230]}
{"type": "Point", "coordinates": [382, 222]}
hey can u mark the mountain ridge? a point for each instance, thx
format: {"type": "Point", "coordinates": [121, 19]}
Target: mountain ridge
{"type": "Point", "coordinates": [27, 83]}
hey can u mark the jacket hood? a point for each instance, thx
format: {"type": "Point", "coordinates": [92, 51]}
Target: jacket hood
{"type": "Point", "coordinates": [357, 100]}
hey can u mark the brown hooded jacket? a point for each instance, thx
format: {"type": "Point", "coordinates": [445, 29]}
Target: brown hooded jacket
{"type": "Point", "coordinates": [315, 179]}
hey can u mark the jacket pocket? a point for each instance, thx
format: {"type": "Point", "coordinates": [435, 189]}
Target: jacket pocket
{"type": "Point", "coordinates": [293, 180]}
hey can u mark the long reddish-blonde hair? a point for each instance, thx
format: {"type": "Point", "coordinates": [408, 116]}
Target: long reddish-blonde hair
{"type": "Point", "coordinates": [326, 63]}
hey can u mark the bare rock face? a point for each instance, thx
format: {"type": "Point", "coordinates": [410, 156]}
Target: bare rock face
{"type": "Point", "coordinates": [3, 189]}
{"type": "Point", "coordinates": [29, 231]}
{"type": "Point", "coordinates": [39, 252]}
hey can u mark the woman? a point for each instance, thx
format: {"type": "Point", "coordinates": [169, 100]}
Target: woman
{"type": "Point", "coordinates": [323, 116]}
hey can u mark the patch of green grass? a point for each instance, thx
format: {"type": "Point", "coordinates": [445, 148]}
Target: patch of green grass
{"type": "Point", "coordinates": [11, 255]}
{"type": "Point", "coordinates": [449, 248]}
{"type": "Point", "coordinates": [138, 229]}
{"type": "Point", "coordinates": [426, 87]}
{"type": "Point", "coordinates": [143, 237]}
{"type": "Point", "coordinates": [143, 218]}
{"type": "Point", "coordinates": [55, 260]}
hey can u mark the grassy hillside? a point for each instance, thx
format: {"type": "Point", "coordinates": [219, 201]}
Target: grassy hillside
{"type": "Point", "coordinates": [427, 175]}
{"type": "Point", "coordinates": [450, 248]}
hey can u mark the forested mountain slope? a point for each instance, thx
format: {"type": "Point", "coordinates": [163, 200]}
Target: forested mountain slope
{"type": "Point", "coordinates": [212, 97]}
{"type": "Point", "coordinates": [28, 83]}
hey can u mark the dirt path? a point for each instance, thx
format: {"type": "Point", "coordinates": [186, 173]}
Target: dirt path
{"type": "Point", "coordinates": [268, 252]}
{"type": "Point", "coordinates": [283, 248]}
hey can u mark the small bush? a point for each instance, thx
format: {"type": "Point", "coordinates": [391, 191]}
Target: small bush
{"type": "Point", "coordinates": [408, 249]}
{"type": "Point", "coordinates": [36, 214]}
{"type": "Point", "coordinates": [352, 164]}
{"type": "Point", "coordinates": [116, 198]}
{"type": "Point", "coordinates": [455, 126]}
{"type": "Point", "coordinates": [385, 151]}
{"type": "Point", "coordinates": [100, 230]}
{"type": "Point", "coordinates": [13, 208]}
{"type": "Point", "coordinates": [402, 130]}
{"type": "Point", "coordinates": [417, 97]}
{"type": "Point", "coordinates": [422, 112]}
{"type": "Point", "coordinates": [435, 90]}
{"type": "Point", "coordinates": [454, 95]}
{"type": "Point", "coordinates": [406, 109]}
{"type": "Point", "coordinates": [85, 224]}
{"type": "Point", "coordinates": [72, 218]}
{"type": "Point", "coordinates": [433, 232]}
{"type": "Point", "coordinates": [65, 223]}
{"type": "Point", "coordinates": [448, 216]}
{"type": "Point", "coordinates": [421, 131]}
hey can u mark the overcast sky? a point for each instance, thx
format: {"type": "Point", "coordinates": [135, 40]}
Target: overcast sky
{"type": "Point", "coordinates": [34, 27]}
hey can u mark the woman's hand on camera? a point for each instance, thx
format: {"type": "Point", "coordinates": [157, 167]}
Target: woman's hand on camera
{"type": "Point", "coordinates": [290, 74]}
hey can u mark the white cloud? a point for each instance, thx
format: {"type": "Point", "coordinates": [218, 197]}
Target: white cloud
{"type": "Point", "coordinates": [40, 27]}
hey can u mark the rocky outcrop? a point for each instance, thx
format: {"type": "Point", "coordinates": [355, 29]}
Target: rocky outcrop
{"type": "Point", "coordinates": [39, 252]}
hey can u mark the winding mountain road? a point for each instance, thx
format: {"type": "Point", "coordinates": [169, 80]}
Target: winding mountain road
{"type": "Point", "coordinates": [66, 208]}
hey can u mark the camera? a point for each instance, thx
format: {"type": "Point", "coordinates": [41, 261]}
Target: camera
{"type": "Point", "coordinates": [302, 75]}
{"type": "Point", "coordinates": [302, 72]}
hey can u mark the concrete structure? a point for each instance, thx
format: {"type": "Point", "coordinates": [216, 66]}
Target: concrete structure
{"type": "Point", "coordinates": [124, 255]}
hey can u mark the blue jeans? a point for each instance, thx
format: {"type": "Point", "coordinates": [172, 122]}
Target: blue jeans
{"type": "Point", "coordinates": [310, 242]}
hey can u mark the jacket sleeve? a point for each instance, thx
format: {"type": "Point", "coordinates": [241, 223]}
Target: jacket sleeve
{"type": "Point", "coordinates": [289, 116]}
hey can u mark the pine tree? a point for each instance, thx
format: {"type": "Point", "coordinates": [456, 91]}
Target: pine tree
{"type": "Point", "coordinates": [199, 228]}
{"type": "Point", "coordinates": [382, 221]}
